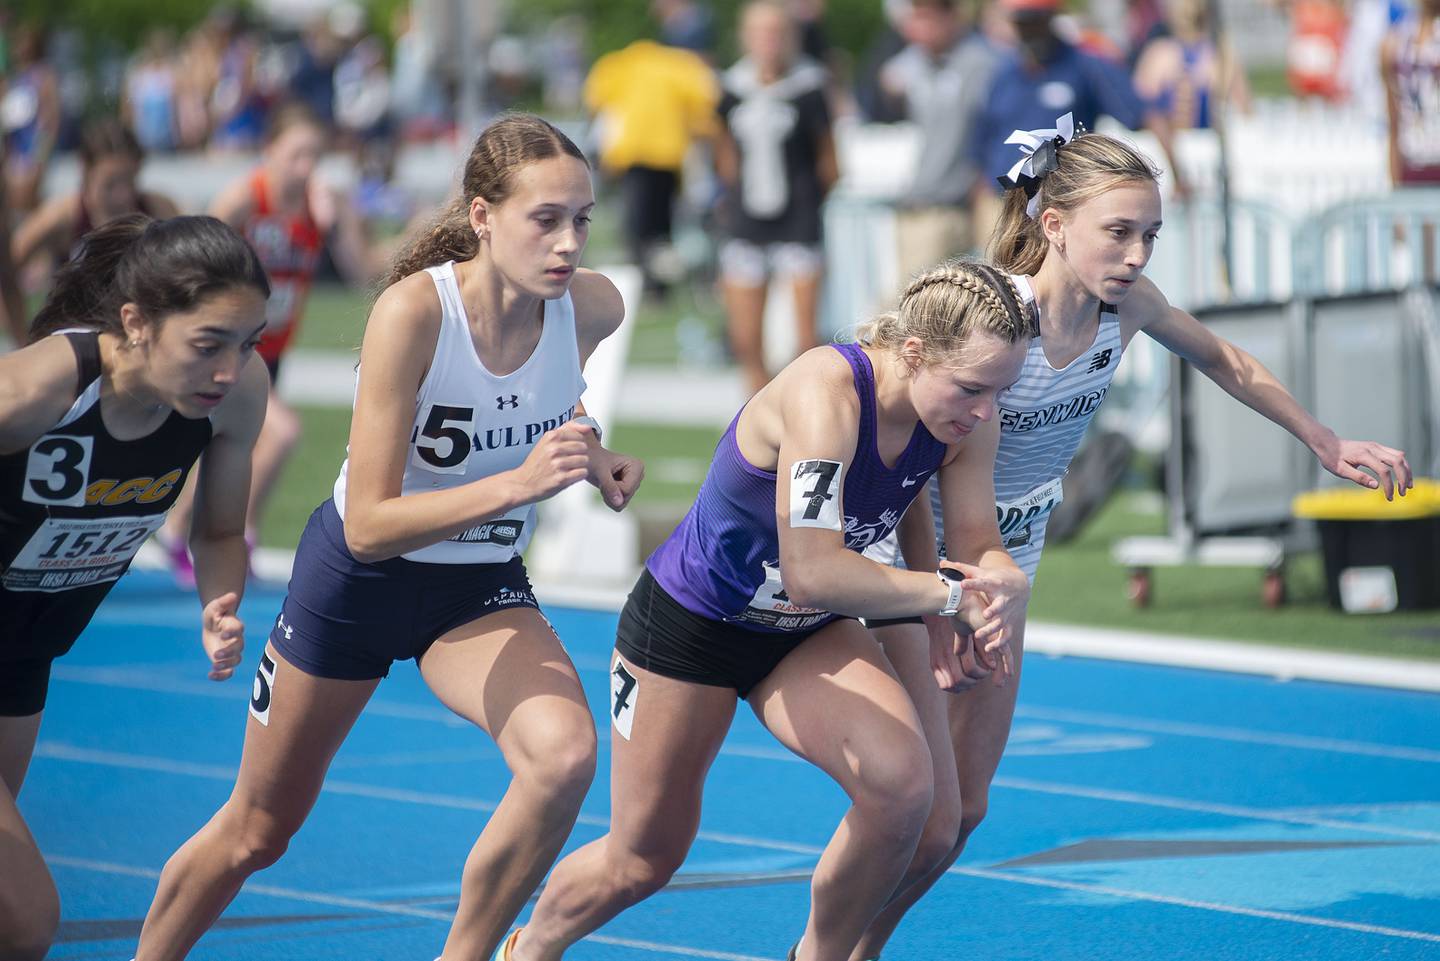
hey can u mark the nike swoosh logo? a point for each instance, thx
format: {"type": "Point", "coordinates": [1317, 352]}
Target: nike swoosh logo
{"type": "Point", "coordinates": [909, 482]}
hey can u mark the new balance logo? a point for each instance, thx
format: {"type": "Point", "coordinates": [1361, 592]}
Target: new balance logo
{"type": "Point", "coordinates": [1099, 362]}
{"type": "Point", "coordinates": [514, 400]}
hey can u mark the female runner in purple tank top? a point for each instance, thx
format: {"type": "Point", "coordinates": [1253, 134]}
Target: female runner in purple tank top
{"type": "Point", "coordinates": [755, 596]}
{"type": "Point", "coordinates": [1079, 225]}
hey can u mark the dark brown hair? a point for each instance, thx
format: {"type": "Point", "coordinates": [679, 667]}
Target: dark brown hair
{"type": "Point", "coordinates": [161, 266]}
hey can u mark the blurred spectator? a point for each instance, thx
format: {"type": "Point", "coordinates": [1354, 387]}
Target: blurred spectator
{"type": "Point", "coordinates": [940, 78]}
{"type": "Point", "coordinates": [651, 102]}
{"type": "Point", "coordinates": [1044, 78]}
{"type": "Point", "coordinates": [1370, 22]}
{"type": "Point", "coordinates": [686, 24]}
{"type": "Point", "coordinates": [362, 92]}
{"type": "Point", "coordinates": [110, 159]}
{"type": "Point", "coordinates": [809, 17]}
{"type": "Point", "coordinates": [1144, 22]}
{"type": "Point", "coordinates": [150, 90]}
{"type": "Point", "coordinates": [1183, 73]}
{"type": "Point", "coordinates": [237, 112]}
{"type": "Point", "coordinates": [29, 116]}
{"type": "Point", "coordinates": [1410, 64]}
{"type": "Point", "coordinates": [13, 317]}
{"type": "Point", "coordinates": [419, 102]}
{"type": "Point", "coordinates": [776, 156]}
{"type": "Point", "coordinates": [510, 65]}
{"type": "Point", "coordinates": [198, 71]}
{"type": "Point", "coordinates": [288, 215]}
{"type": "Point", "coordinates": [874, 105]}
{"type": "Point", "coordinates": [312, 80]}
{"type": "Point", "coordinates": [1312, 55]}
{"type": "Point", "coordinates": [563, 58]}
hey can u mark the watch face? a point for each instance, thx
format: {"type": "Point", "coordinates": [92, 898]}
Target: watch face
{"type": "Point", "coordinates": [950, 574]}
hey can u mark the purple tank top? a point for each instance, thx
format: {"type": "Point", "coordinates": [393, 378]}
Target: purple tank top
{"type": "Point", "coordinates": [723, 561]}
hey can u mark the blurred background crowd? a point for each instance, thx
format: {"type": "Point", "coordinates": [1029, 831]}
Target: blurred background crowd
{"type": "Point", "coordinates": [772, 168]}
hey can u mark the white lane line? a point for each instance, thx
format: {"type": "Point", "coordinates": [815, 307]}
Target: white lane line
{"type": "Point", "coordinates": [381, 907]}
{"type": "Point", "coordinates": [1238, 734]}
{"type": "Point", "coordinates": [64, 752]}
{"type": "Point", "coordinates": [1222, 908]}
{"type": "Point", "coordinates": [982, 873]}
{"type": "Point", "coordinates": [141, 680]}
{"type": "Point", "coordinates": [1206, 807]}
{"type": "Point", "coordinates": [56, 751]}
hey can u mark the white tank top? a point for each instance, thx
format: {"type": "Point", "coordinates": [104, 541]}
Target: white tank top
{"type": "Point", "coordinates": [470, 423]}
{"type": "Point", "coordinates": [1043, 418]}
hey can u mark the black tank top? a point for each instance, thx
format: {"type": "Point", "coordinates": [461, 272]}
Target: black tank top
{"type": "Point", "coordinates": [77, 504]}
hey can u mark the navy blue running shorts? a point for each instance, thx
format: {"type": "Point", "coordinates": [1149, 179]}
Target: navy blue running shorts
{"type": "Point", "coordinates": [349, 620]}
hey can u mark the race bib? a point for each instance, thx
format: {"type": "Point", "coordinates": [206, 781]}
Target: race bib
{"type": "Point", "coordinates": [442, 439]}
{"type": "Point", "coordinates": [66, 553]}
{"type": "Point", "coordinates": [56, 471]}
{"type": "Point", "coordinates": [502, 532]}
{"type": "Point", "coordinates": [1017, 517]}
{"type": "Point", "coordinates": [772, 607]}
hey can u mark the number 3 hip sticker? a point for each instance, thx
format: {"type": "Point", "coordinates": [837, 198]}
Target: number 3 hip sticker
{"type": "Point", "coordinates": [624, 691]}
{"type": "Point", "coordinates": [815, 494]}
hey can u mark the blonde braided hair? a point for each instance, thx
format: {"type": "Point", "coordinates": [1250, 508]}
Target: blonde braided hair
{"type": "Point", "coordinates": [943, 306]}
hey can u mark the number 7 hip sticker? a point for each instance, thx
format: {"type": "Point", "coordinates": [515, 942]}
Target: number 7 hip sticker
{"type": "Point", "coordinates": [624, 690]}
{"type": "Point", "coordinates": [815, 494]}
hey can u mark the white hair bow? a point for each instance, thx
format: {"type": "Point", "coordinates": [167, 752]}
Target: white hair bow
{"type": "Point", "coordinates": [1038, 158]}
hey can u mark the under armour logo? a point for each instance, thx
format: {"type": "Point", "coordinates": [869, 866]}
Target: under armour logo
{"type": "Point", "coordinates": [1099, 362]}
{"type": "Point", "coordinates": [910, 482]}
{"type": "Point", "coordinates": [289, 631]}
{"type": "Point", "coordinates": [501, 403]}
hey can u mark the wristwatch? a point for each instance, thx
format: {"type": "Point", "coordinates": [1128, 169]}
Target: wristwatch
{"type": "Point", "coordinates": [951, 578]}
{"type": "Point", "coordinates": [587, 421]}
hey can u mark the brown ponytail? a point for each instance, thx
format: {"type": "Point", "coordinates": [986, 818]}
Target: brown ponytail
{"type": "Point", "coordinates": [1087, 166]}
{"type": "Point", "coordinates": [502, 148]}
{"type": "Point", "coordinates": [161, 266]}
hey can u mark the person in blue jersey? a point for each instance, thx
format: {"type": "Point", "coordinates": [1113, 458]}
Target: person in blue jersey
{"type": "Point", "coordinates": [755, 595]}
{"type": "Point", "coordinates": [139, 362]}
{"type": "Point", "coordinates": [467, 413]}
{"type": "Point", "coordinates": [1081, 218]}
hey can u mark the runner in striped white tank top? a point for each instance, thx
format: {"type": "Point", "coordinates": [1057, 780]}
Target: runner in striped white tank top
{"type": "Point", "coordinates": [1081, 216]}
{"type": "Point", "coordinates": [467, 413]}
{"type": "Point", "coordinates": [1043, 418]}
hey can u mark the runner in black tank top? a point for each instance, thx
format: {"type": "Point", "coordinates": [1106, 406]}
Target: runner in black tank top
{"type": "Point", "coordinates": [76, 505]}
{"type": "Point", "coordinates": [99, 426]}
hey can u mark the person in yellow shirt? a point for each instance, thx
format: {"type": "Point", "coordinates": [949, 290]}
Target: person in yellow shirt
{"type": "Point", "coordinates": [650, 103]}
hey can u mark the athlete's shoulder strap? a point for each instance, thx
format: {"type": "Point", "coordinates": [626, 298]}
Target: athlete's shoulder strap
{"type": "Point", "coordinates": [86, 345]}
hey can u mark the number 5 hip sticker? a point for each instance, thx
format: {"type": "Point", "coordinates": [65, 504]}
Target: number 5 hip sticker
{"type": "Point", "coordinates": [261, 693]}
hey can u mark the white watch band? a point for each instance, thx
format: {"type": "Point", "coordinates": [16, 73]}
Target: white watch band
{"type": "Point", "coordinates": [952, 604]}
{"type": "Point", "coordinates": [590, 422]}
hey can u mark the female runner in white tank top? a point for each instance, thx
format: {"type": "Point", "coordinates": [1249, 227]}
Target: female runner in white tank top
{"type": "Point", "coordinates": [467, 412]}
